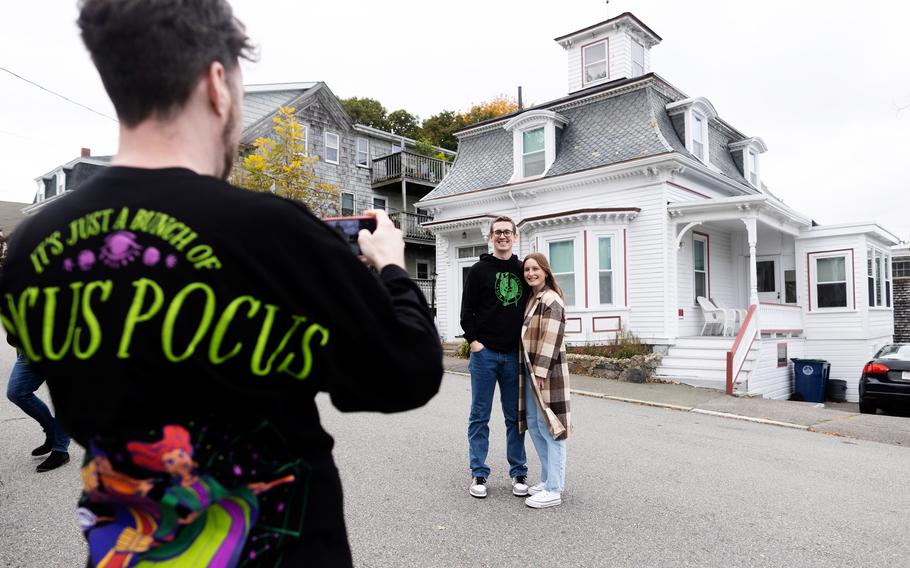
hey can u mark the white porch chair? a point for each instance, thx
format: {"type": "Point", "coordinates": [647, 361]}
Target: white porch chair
{"type": "Point", "coordinates": [716, 316]}
{"type": "Point", "coordinates": [739, 313]}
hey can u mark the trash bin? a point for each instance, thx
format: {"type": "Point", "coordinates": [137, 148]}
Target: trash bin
{"type": "Point", "coordinates": [837, 390]}
{"type": "Point", "coordinates": [810, 377]}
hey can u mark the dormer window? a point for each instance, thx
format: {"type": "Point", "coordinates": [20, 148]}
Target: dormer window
{"type": "Point", "coordinates": [638, 59]}
{"type": "Point", "coordinates": [595, 62]}
{"type": "Point", "coordinates": [534, 142]}
{"type": "Point", "coordinates": [750, 149]}
{"type": "Point", "coordinates": [697, 114]}
{"type": "Point", "coordinates": [533, 159]}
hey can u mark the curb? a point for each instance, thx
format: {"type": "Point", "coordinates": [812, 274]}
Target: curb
{"type": "Point", "coordinates": [677, 407]}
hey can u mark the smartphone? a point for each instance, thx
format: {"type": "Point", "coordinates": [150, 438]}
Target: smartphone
{"type": "Point", "coordinates": [350, 227]}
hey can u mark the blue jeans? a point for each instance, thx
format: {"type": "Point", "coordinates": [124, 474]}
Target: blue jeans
{"type": "Point", "coordinates": [23, 382]}
{"type": "Point", "coordinates": [552, 453]}
{"type": "Point", "coordinates": [487, 368]}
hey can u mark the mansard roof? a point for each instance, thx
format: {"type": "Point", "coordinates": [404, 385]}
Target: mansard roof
{"type": "Point", "coordinates": [616, 122]}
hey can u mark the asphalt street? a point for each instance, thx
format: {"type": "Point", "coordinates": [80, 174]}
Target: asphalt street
{"type": "Point", "coordinates": [645, 487]}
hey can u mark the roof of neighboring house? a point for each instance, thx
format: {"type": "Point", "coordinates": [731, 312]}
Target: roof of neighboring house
{"type": "Point", "coordinates": [10, 215]}
{"type": "Point", "coordinates": [620, 121]}
{"type": "Point", "coordinates": [260, 101]}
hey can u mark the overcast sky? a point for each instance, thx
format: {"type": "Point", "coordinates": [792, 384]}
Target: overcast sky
{"type": "Point", "coordinates": [820, 82]}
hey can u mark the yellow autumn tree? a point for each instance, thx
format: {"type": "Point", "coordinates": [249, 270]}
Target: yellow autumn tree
{"type": "Point", "coordinates": [493, 108]}
{"type": "Point", "coordinates": [281, 165]}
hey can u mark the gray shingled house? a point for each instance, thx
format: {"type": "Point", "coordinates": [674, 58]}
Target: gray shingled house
{"type": "Point", "coordinates": [645, 201]}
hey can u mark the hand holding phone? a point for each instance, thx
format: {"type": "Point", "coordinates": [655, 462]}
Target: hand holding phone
{"type": "Point", "coordinates": [383, 246]}
{"type": "Point", "coordinates": [350, 228]}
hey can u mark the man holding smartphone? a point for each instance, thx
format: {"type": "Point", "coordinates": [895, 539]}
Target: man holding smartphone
{"type": "Point", "coordinates": [185, 326]}
{"type": "Point", "coordinates": [492, 310]}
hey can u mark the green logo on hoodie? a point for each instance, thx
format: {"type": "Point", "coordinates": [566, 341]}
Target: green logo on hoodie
{"type": "Point", "coordinates": [508, 288]}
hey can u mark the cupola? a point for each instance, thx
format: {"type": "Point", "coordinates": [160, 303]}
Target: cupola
{"type": "Point", "coordinates": [613, 49]}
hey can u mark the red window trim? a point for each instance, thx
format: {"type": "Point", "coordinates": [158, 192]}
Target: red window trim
{"type": "Point", "coordinates": [707, 258]}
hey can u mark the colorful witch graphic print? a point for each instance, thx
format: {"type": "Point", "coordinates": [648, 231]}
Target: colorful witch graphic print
{"type": "Point", "coordinates": [196, 521]}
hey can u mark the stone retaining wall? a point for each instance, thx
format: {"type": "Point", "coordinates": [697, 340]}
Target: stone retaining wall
{"type": "Point", "coordinates": [638, 369]}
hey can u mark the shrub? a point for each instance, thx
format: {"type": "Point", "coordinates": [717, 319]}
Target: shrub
{"type": "Point", "coordinates": [624, 346]}
{"type": "Point", "coordinates": [464, 350]}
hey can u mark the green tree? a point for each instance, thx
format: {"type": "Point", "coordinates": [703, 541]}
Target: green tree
{"type": "Point", "coordinates": [403, 123]}
{"type": "Point", "coordinates": [279, 164]}
{"type": "Point", "coordinates": [367, 111]}
{"type": "Point", "coordinates": [438, 130]}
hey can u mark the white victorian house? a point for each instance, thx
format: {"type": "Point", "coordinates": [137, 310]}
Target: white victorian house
{"type": "Point", "coordinates": [644, 199]}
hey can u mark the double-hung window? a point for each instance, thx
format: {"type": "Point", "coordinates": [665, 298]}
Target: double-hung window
{"type": "Point", "coordinates": [698, 136]}
{"type": "Point", "coordinates": [562, 261]}
{"type": "Point", "coordinates": [363, 152]}
{"type": "Point", "coordinates": [700, 265]}
{"type": "Point", "coordinates": [595, 62]}
{"type": "Point", "coordinates": [638, 59]}
{"type": "Point", "coordinates": [878, 276]}
{"type": "Point", "coordinates": [753, 168]}
{"type": "Point", "coordinates": [831, 286]}
{"type": "Point", "coordinates": [347, 204]}
{"type": "Point", "coordinates": [605, 269]}
{"type": "Point", "coordinates": [533, 155]}
{"type": "Point", "coordinates": [332, 142]}
{"type": "Point", "coordinates": [379, 203]}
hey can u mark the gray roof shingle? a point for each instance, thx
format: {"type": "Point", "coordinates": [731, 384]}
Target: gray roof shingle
{"type": "Point", "coordinates": [603, 132]}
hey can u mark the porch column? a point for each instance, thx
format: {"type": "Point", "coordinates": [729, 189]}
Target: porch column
{"type": "Point", "coordinates": [404, 182]}
{"type": "Point", "coordinates": [752, 230]}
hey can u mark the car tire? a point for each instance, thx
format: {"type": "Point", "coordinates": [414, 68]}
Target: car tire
{"type": "Point", "coordinates": [867, 408]}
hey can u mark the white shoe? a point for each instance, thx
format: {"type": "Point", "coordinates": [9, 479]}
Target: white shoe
{"type": "Point", "coordinates": [543, 500]}
{"type": "Point", "coordinates": [536, 488]}
{"type": "Point", "coordinates": [479, 487]}
{"type": "Point", "coordinates": [520, 486]}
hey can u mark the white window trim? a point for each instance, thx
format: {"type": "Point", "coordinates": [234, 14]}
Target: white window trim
{"type": "Point", "coordinates": [702, 239]}
{"type": "Point", "coordinates": [616, 244]}
{"type": "Point", "coordinates": [525, 122]}
{"type": "Point", "coordinates": [880, 280]}
{"type": "Point", "coordinates": [606, 42]}
{"type": "Point", "coordinates": [357, 152]}
{"type": "Point", "coordinates": [632, 57]}
{"type": "Point", "coordinates": [578, 258]}
{"type": "Point", "coordinates": [690, 135]}
{"type": "Point", "coordinates": [525, 154]}
{"type": "Point", "coordinates": [306, 137]}
{"type": "Point", "coordinates": [353, 202]}
{"type": "Point", "coordinates": [849, 274]}
{"type": "Point", "coordinates": [337, 147]}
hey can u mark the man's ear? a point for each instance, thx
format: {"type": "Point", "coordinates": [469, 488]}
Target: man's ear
{"type": "Point", "coordinates": [219, 92]}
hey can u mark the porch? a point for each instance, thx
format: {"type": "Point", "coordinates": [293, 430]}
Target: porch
{"type": "Point", "coordinates": [738, 256]}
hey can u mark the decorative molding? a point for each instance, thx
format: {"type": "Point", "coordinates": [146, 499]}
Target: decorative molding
{"type": "Point", "coordinates": [582, 216]}
{"type": "Point", "coordinates": [594, 322]}
{"type": "Point", "coordinates": [533, 118]}
{"type": "Point", "coordinates": [449, 225]}
{"type": "Point", "coordinates": [572, 330]}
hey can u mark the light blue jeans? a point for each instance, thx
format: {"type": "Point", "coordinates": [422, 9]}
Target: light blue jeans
{"type": "Point", "coordinates": [552, 453]}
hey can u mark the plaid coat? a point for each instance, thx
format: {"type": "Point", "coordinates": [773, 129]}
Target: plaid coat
{"type": "Point", "coordinates": [543, 351]}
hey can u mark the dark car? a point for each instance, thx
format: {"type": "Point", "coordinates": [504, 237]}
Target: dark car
{"type": "Point", "coordinates": [886, 380]}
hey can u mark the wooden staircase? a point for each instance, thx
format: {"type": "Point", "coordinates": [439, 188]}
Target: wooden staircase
{"type": "Point", "coordinates": [702, 362]}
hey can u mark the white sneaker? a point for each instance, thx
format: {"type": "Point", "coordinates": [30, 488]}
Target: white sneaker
{"type": "Point", "coordinates": [536, 488]}
{"type": "Point", "coordinates": [479, 487]}
{"type": "Point", "coordinates": [520, 486]}
{"type": "Point", "coordinates": [543, 500]}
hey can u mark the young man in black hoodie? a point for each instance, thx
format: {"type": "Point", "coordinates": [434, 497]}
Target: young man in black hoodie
{"type": "Point", "coordinates": [185, 326]}
{"type": "Point", "coordinates": [492, 310]}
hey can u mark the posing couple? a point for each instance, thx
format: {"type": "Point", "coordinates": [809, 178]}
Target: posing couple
{"type": "Point", "coordinates": [513, 317]}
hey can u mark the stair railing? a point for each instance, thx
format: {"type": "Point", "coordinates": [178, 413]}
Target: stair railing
{"type": "Point", "coordinates": [736, 356]}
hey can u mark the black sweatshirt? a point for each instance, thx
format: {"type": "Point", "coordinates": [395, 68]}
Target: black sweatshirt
{"type": "Point", "coordinates": [493, 302]}
{"type": "Point", "coordinates": [173, 314]}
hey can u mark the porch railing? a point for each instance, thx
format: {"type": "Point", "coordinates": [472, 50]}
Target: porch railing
{"type": "Point", "coordinates": [411, 166]}
{"type": "Point", "coordinates": [736, 357]}
{"type": "Point", "coordinates": [409, 223]}
{"type": "Point", "coordinates": [428, 287]}
{"type": "Point", "coordinates": [781, 319]}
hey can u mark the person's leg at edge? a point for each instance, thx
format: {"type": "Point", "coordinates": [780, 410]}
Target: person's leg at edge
{"type": "Point", "coordinates": [509, 371]}
{"type": "Point", "coordinates": [556, 453]}
{"type": "Point", "coordinates": [23, 382]}
{"type": "Point", "coordinates": [483, 383]}
{"type": "Point", "coordinates": [540, 444]}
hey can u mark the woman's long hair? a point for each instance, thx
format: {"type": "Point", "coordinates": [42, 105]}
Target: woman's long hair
{"type": "Point", "coordinates": [545, 266]}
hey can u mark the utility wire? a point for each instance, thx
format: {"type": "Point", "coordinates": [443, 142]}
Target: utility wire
{"type": "Point", "coordinates": [56, 94]}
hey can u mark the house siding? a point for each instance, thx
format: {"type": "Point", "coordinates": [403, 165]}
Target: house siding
{"type": "Point", "coordinates": [721, 277]}
{"type": "Point", "coordinates": [901, 288]}
{"type": "Point", "coordinates": [767, 379]}
{"type": "Point", "coordinates": [257, 106]}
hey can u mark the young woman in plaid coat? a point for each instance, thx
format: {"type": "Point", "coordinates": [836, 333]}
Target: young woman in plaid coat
{"type": "Point", "coordinates": [543, 403]}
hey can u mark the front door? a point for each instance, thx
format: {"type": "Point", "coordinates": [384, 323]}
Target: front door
{"type": "Point", "coordinates": [768, 279]}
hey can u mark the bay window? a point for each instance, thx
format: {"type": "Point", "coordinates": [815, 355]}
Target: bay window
{"type": "Point", "coordinates": [832, 289]}
{"type": "Point", "coordinates": [878, 277]}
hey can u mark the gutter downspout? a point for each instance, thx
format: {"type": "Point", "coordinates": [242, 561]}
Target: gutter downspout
{"type": "Point", "coordinates": [517, 208]}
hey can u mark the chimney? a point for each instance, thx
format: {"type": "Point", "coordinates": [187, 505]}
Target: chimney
{"type": "Point", "coordinates": [86, 153]}
{"type": "Point", "coordinates": [520, 103]}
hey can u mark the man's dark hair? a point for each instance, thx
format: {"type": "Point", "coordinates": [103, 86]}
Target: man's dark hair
{"type": "Point", "coordinates": [151, 53]}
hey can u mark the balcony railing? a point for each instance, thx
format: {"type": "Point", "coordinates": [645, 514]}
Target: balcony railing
{"type": "Point", "coordinates": [428, 287]}
{"type": "Point", "coordinates": [409, 166]}
{"type": "Point", "coordinates": [409, 223]}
